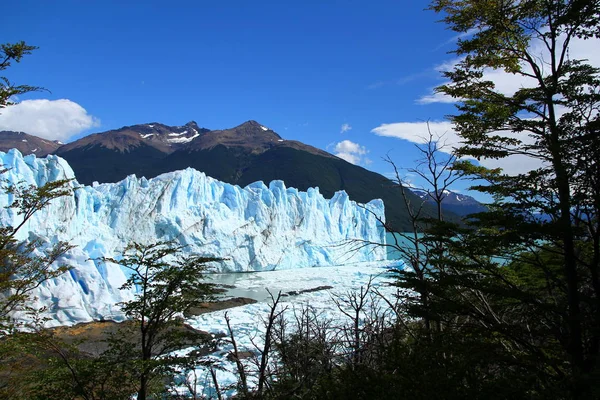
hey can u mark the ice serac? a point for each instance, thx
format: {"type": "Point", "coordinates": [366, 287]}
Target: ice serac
{"type": "Point", "coordinates": [255, 228]}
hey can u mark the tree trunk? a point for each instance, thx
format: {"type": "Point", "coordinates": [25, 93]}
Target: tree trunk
{"type": "Point", "coordinates": [575, 342]}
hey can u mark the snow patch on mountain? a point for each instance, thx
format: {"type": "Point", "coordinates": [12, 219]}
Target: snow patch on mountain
{"type": "Point", "coordinates": [256, 228]}
{"type": "Point", "coordinates": [183, 139]}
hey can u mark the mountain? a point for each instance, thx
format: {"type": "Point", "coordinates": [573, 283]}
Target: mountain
{"type": "Point", "coordinates": [27, 144]}
{"type": "Point", "coordinates": [139, 149]}
{"type": "Point", "coordinates": [255, 228]}
{"type": "Point", "coordinates": [241, 155]}
{"type": "Point", "coordinates": [459, 204]}
{"type": "Point", "coordinates": [151, 149]}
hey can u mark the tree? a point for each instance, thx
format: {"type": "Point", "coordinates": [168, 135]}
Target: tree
{"type": "Point", "coordinates": [9, 53]}
{"type": "Point", "coordinates": [24, 265]}
{"type": "Point", "coordinates": [305, 353]}
{"type": "Point", "coordinates": [21, 270]}
{"type": "Point", "coordinates": [138, 356]}
{"type": "Point", "coordinates": [167, 286]}
{"type": "Point", "coordinates": [544, 222]}
{"type": "Point", "coordinates": [424, 245]}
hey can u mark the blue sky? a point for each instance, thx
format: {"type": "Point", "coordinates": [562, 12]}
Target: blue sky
{"type": "Point", "coordinates": [327, 73]}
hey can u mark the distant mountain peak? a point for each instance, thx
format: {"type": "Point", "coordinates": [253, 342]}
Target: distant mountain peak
{"type": "Point", "coordinates": [249, 123]}
{"type": "Point", "coordinates": [461, 204]}
{"type": "Point", "coordinates": [192, 124]}
{"type": "Point", "coordinates": [251, 132]}
{"type": "Point", "coordinates": [252, 125]}
{"type": "Point", "coordinates": [27, 144]}
{"type": "Point", "coordinates": [162, 138]}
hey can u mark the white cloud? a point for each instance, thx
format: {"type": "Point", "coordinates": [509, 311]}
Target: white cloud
{"type": "Point", "coordinates": [350, 147]}
{"type": "Point", "coordinates": [49, 119]}
{"type": "Point", "coordinates": [436, 97]}
{"type": "Point", "coordinates": [417, 132]}
{"type": "Point", "coordinates": [345, 128]}
{"type": "Point", "coordinates": [351, 152]}
{"type": "Point", "coordinates": [507, 83]}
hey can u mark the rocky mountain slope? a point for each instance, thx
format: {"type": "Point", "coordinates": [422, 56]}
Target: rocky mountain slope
{"type": "Point", "coordinates": [27, 144]}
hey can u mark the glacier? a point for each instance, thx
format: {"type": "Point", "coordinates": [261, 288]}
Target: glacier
{"type": "Point", "coordinates": [256, 228]}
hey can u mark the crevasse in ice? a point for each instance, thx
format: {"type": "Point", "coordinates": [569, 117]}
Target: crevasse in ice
{"type": "Point", "coordinates": [255, 228]}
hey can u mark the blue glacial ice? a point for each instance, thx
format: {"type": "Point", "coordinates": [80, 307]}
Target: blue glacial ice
{"type": "Point", "coordinates": [256, 228]}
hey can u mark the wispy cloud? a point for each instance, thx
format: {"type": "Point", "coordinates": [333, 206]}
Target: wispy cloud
{"type": "Point", "coordinates": [455, 38]}
{"type": "Point", "coordinates": [505, 83]}
{"type": "Point", "coordinates": [377, 85]}
{"type": "Point", "coordinates": [345, 128]}
{"type": "Point", "coordinates": [436, 97]}
{"type": "Point", "coordinates": [49, 119]}
{"type": "Point", "coordinates": [508, 83]}
{"type": "Point", "coordinates": [352, 152]}
{"type": "Point", "coordinates": [418, 133]}
{"type": "Point", "coordinates": [402, 80]}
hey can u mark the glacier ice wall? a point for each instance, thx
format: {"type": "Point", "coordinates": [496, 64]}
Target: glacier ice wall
{"type": "Point", "coordinates": [255, 228]}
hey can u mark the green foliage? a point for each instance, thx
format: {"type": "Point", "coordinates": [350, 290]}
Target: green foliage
{"type": "Point", "coordinates": [40, 365]}
{"type": "Point", "coordinates": [135, 357]}
{"type": "Point", "coordinates": [25, 265]}
{"type": "Point", "coordinates": [167, 286]}
{"type": "Point", "coordinates": [525, 276]}
{"type": "Point", "coordinates": [62, 371]}
{"type": "Point", "coordinates": [9, 53]}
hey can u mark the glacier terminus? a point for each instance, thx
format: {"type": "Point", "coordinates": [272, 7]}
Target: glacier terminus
{"type": "Point", "coordinates": [255, 228]}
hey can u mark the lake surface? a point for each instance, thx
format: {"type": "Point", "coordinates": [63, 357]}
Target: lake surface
{"type": "Point", "coordinates": [393, 254]}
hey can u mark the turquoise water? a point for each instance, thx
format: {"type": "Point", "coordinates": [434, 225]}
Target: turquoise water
{"type": "Point", "coordinates": [393, 254]}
